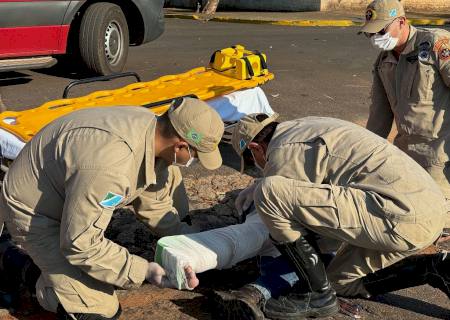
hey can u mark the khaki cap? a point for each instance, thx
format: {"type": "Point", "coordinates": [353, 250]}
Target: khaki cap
{"type": "Point", "coordinates": [201, 126]}
{"type": "Point", "coordinates": [380, 13]}
{"type": "Point", "coordinates": [247, 129]}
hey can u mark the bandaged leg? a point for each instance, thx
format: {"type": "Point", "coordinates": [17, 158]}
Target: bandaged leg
{"type": "Point", "coordinates": [214, 249]}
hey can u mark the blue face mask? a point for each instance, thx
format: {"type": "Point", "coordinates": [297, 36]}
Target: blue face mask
{"type": "Point", "coordinates": [187, 164]}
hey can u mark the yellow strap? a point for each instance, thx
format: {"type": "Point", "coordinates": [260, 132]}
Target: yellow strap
{"type": "Point", "coordinates": [205, 83]}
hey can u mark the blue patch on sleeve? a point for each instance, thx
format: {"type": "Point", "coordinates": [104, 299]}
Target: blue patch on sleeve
{"type": "Point", "coordinates": [111, 200]}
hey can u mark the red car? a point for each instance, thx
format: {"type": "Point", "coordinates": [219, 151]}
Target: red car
{"type": "Point", "coordinates": [33, 32]}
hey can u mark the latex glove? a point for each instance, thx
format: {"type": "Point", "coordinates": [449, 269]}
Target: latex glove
{"type": "Point", "coordinates": [155, 273]}
{"type": "Point", "coordinates": [244, 199]}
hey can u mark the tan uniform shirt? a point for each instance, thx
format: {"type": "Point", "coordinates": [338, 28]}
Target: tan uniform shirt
{"type": "Point", "coordinates": [329, 151]}
{"type": "Point", "coordinates": [81, 167]}
{"type": "Point", "coordinates": [415, 92]}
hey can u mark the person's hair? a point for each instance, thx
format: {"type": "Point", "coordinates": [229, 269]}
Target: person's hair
{"type": "Point", "coordinates": [266, 134]}
{"type": "Point", "coordinates": [165, 126]}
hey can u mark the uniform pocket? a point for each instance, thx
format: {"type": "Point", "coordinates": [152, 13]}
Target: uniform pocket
{"type": "Point", "coordinates": [420, 82]}
{"type": "Point", "coordinates": [315, 205]}
{"type": "Point", "coordinates": [104, 218]}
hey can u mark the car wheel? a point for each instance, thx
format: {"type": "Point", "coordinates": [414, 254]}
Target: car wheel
{"type": "Point", "coordinates": [104, 38]}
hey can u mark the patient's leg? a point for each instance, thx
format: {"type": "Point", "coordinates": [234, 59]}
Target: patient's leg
{"type": "Point", "coordinates": [214, 249]}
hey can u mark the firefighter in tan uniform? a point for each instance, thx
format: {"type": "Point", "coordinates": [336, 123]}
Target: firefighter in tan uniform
{"type": "Point", "coordinates": [411, 86]}
{"type": "Point", "coordinates": [338, 180]}
{"type": "Point", "coordinates": [61, 191]}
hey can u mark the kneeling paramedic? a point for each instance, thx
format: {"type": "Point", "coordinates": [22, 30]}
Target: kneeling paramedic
{"type": "Point", "coordinates": [331, 178]}
{"type": "Point", "coordinates": [59, 195]}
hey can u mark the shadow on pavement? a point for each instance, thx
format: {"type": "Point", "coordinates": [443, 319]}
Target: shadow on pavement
{"type": "Point", "coordinates": [67, 68]}
{"type": "Point", "coordinates": [13, 78]}
{"type": "Point", "coordinates": [414, 305]}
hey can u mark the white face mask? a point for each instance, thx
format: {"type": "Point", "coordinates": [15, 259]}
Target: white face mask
{"type": "Point", "coordinates": [188, 163]}
{"type": "Point", "coordinates": [384, 42]}
{"type": "Point", "coordinates": [256, 163]}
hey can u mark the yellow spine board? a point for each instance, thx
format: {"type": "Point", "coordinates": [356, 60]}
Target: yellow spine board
{"type": "Point", "coordinates": [205, 83]}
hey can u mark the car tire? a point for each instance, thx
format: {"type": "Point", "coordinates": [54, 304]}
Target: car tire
{"type": "Point", "coordinates": [104, 38]}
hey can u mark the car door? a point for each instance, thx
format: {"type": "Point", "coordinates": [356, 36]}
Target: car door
{"type": "Point", "coordinates": [32, 27]}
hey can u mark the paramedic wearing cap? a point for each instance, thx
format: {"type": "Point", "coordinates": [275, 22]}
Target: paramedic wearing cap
{"type": "Point", "coordinates": [59, 195]}
{"type": "Point", "coordinates": [411, 86]}
{"type": "Point", "coordinates": [338, 180]}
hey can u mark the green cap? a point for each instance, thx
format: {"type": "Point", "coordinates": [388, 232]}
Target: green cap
{"type": "Point", "coordinates": [200, 126]}
{"type": "Point", "coordinates": [247, 129]}
{"type": "Point", "coordinates": [380, 13]}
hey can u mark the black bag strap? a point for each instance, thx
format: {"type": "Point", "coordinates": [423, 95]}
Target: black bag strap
{"type": "Point", "coordinates": [249, 67]}
{"type": "Point", "coordinates": [213, 57]}
{"type": "Point", "coordinates": [261, 58]}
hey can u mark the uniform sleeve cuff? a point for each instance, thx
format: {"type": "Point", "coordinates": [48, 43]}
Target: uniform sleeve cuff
{"type": "Point", "coordinates": [138, 270]}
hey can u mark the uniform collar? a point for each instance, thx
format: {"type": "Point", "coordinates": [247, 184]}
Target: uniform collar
{"type": "Point", "coordinates": [150, 176]}
{"type": "Point", "coordinates": [410, 45]}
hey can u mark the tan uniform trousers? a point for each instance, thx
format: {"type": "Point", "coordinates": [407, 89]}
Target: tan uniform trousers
{"type": "Point", "coordinates": [60, 282]}
{"type": "Point", "coordinates": [371, 242]}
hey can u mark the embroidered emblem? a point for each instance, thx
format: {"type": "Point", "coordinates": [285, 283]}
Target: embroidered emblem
{"type": "Point", "coordinates": [424, 50]}
{"type": "Point", "coordinates": [424, 55]}
{"type": "Point", "coordinates": [444, 54]}
{"type": "Point", "coordinates": [443, 42]}
{"type": "Point", "coordinates": [111, 200]}
{"type": "Point", "coordinates": [425, 46]}
{"type": "Point", "coordinates": [371, 15]}
{"type": "Point", "coordinates": [194, 136]}
{"type": "Point", "coordinates": [393, 13]}
{"type": "Point", "coordinates": [242, 144]}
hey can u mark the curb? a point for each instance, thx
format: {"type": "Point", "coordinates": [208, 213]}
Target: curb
{"type": "Point", "coordinates": [306, 22]}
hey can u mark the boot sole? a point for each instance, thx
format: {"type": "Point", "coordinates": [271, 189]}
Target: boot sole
{"type": "Point", "coordinates": [227, 307]}
{"type": "Point", "coordinates": [312, 313]}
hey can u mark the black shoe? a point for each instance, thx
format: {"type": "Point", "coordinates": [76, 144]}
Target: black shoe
{"type": "Point", "coordinates": [302, 305]}
{"type": "Point", "coordinates": [312, 295]}
{"type": "Point", "coordinates": [410, 272]}
{"type": "Point", "coordinates": [243, 304]}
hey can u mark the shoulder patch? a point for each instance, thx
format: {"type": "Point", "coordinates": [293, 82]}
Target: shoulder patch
{"type": "Point", "coordinates": [442, 42]}
{"type": "Point", "coordinates": [442, 48]}
{"type": "Point", "coordinates": [111, 200]}
{"type": "Point", "coordinates": [444, 54]}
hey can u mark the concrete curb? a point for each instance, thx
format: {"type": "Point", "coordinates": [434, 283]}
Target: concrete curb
{"type": "Point", "coordinates": [305, 22]}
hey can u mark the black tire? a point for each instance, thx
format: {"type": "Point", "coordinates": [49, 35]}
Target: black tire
{"type": "Point", "coordinates": [104, 38]}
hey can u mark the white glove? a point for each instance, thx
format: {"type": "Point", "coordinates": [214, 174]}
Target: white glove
{"type": "Point", "coordinates": [244, 199]}
{"type": "Point", "coordinates": [155, 274]}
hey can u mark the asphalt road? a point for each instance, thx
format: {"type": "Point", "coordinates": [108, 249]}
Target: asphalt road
{"type": "Point", "coordinates": [319, 71]}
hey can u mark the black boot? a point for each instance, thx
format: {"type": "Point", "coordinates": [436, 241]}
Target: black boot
{"type": "Point", "coordinates": [313, 295]}
{"type": "Point", "coordinates": [243, 304]}
{"type": "Point", "coordinates": [411, 272]}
